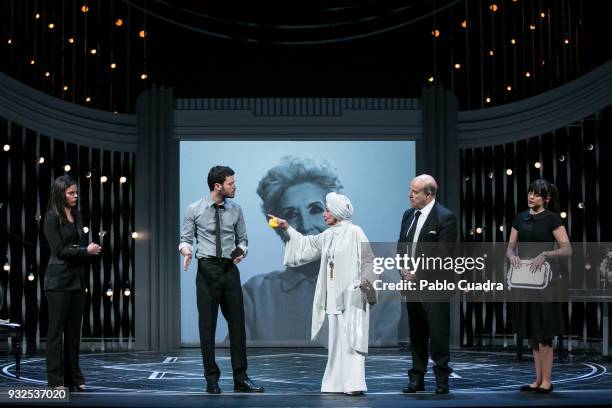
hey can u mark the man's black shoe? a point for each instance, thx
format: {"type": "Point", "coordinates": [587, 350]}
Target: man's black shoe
{"type": "Point", "coordinates": [246, 385]}
{"type": "Point", "coordinates": [442, 388]}
{"type": "Point", "coordinates": [213, 388]}
{"type": "Point", "coordinates": [414, 385]}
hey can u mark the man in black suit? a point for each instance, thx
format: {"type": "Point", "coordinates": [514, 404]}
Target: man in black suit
{"type": "Point", "coordinates": [427, 221]}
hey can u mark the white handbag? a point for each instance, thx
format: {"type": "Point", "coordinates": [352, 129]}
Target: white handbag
{"type": "Point", "coordinates": [522, 277]}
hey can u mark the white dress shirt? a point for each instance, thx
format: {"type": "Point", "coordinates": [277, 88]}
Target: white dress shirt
{"type": "Point", "coordinates": [424, 214]}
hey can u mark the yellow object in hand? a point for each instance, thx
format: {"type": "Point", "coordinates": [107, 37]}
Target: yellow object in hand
{"type": "Point", "coordinates": [273, 222]}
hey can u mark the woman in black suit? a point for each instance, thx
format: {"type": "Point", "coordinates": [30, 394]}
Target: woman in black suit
{"type": "Point", "coordinates": [539, 229]}
{"type": "Point", "coordinates": [65, 284]}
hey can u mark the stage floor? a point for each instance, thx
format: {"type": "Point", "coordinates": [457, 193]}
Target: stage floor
{"type": "Point", "coordinates": [292, 377]}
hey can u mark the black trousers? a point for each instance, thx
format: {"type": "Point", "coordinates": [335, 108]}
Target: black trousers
{"type": "Point", "coordinates": [218, 284]}
{"type": "Point", "coordinates": [64, 337]}
{"type": "Point", "coordinates": [429, 332]}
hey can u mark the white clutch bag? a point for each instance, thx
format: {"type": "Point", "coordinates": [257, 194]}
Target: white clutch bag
{"type": "Point", "coordinates": [522, 277]}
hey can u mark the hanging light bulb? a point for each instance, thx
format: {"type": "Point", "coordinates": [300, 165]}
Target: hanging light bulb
{"type": "Point", "coordinates": [47, 74]}
{"type": "Point", "coordinates": [563, 214]}
{"type": "Point", "coordinates": [30, 276]}
{"type": "Point", "coordinates": [123, 179]}
{"type": "Point", "coordinates": [103, 179]}
{"type": "Point", "coordinates": [127, 292]}
{"type": "Point", "coordinates": [509, 172]}
{"type": "Point", "coordinates": [70, 40]}
{"type": "Point", "coordinates": [134, 235]}
{"type": "Point", "coordinates": [119, 22]}
{"type": "Point", "coordinates": [88, 174]}
{"type": "Point", "coordinates": [65, 88]}
{"type": "Point", "coordinates": [7, 267]}
{"type": "Point", "coordinates": [67, 168]}
{"type": "Point", "coordinates": [142, 34]}
{"type": "Point", "coordinates": [41, 160]}
{"type": "Point", "coordinates": [537, 165]}
{"type": "Point", "coordinates": [109, 292]}
{"type": "Point", "coordinates": [84, 8]}
{"type": "Point", "coordinates": [113, 65]}
{"type": "Point", "coordinates": [143, 76]}
{"type": "Point", "coordinates": [93, 51]}
{"type": "Point", "coordinates": [501, 228]}
{"type": "Point", "coordinates": [430, 79]}
{"type": "Point", "coordinates": [464, 24]}
{"type": "Point", "coordinates": [6, 147]}
{"type": "Point", "coordinates": [86, 230]}
{"type": "Point", "coordinates": [51, 26]}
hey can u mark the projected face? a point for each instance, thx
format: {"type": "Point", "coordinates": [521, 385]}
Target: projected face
{"type": "Point", "coordinates": [302, 205]}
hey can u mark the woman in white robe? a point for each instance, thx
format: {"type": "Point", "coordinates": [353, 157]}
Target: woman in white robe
{"type": "Point", "coordinates": [343, 292]}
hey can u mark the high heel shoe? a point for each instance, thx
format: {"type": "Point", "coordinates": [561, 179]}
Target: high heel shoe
{"type": "Point", "coordinates": [528, 388]}
{"type": "Point", "coordinates": [541, 390]}
{"type": "Point", "coordinates": [78, 388]}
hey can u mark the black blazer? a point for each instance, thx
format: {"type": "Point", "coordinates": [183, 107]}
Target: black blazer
{"type": "Point", "coordinates": [440, 219]}
{"type": "Point", "coordinates": [66, 268]}
{"type": "Point", "coordinates": [440, 226]}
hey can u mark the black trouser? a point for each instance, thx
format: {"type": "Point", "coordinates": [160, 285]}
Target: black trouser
{"type": "Point", "coordinates": [218, 284]}
{"type": "Point", "coordinates": [430, 331]}
{"type": "Point", "coordinates": [64, 337]}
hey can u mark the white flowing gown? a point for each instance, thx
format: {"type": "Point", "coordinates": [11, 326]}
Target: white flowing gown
{"type": "Point", "coordinates": [345, 246]}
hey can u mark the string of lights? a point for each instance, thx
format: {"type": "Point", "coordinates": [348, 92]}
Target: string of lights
{"type": "Point", "coordinates": [488, 52]}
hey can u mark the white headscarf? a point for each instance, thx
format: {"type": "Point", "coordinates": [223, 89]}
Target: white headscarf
{"type": "Point", "coordinates": [339, 205]}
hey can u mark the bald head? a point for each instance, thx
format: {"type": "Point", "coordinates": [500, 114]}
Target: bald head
{"type": "Point", "coordinates": [423, 190]}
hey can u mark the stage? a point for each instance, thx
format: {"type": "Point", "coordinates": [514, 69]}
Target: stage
{"type": "Point", "coordinates": [292, 377]}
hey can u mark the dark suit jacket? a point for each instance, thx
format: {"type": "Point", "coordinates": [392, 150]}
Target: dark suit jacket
{"type": "Point", "coordinates": [440, 226]}
{"type": "Point", "coordinates": [66, 268]}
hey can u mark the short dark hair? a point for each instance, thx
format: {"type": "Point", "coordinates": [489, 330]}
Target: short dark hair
{"type": "Point", "coordinates": [547, 190]}
{"type": "Point", "coordinates": [218, 174]}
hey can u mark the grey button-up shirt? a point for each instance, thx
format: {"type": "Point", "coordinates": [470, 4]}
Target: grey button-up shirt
{"type": "Point", "coordinates": [199, 222]}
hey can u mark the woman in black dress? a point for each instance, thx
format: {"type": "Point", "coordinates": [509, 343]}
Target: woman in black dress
{"type": "Point", "coordinates": [538, 229]}
{"type": "Point", "coordinates": [65, 284]}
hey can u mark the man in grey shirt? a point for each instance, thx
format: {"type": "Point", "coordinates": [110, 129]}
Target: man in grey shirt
{"type": "Point", "coordinates": [217, 224]}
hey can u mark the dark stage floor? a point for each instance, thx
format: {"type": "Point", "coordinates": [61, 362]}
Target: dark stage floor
{"type": "Point", "coordinates": [292, 378]}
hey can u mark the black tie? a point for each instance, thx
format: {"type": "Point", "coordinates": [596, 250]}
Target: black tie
{"type": "Point", "coordinates": [412, 230]}
{"type": "Point", "coordinates": [218, 230]}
